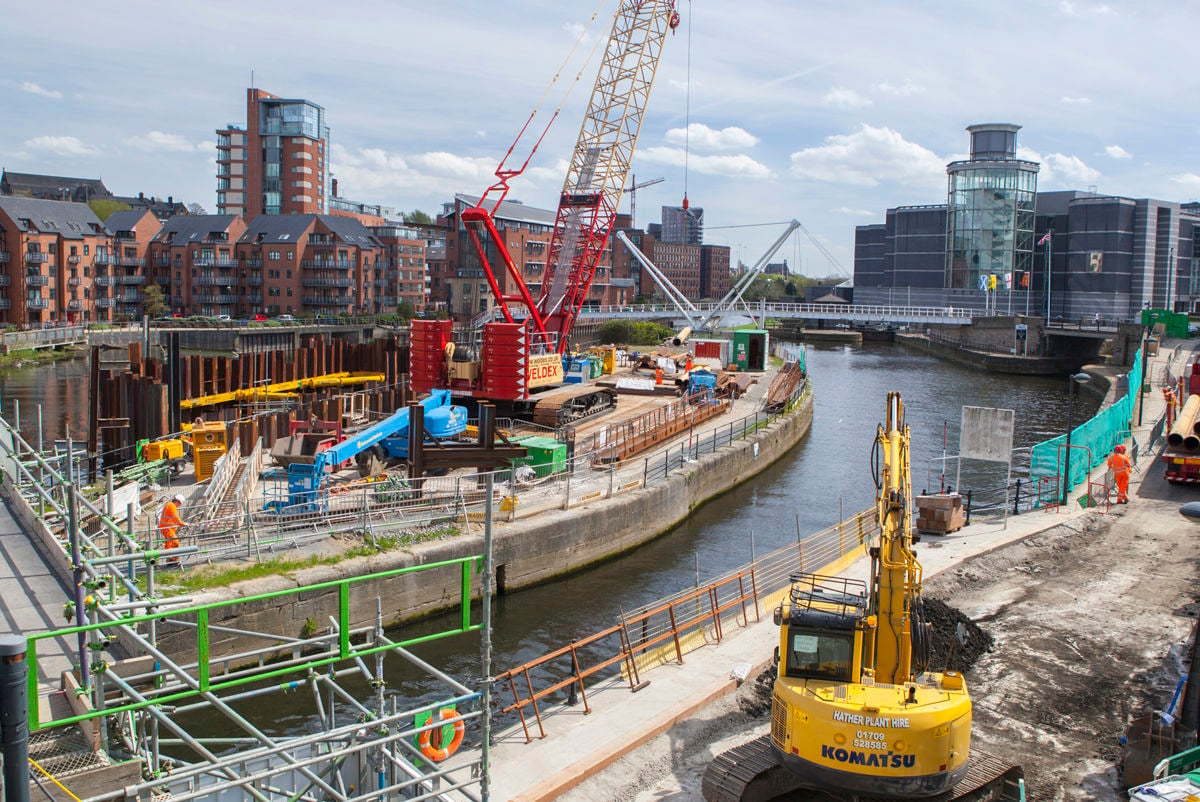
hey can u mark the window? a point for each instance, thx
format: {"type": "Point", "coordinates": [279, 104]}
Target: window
{"type": "Point", "coordinates": [74, 250]}
{"type": "Point", "coordinates": [291, 256]}
{"type": "Point", "coordinates": [289, 289]}
{"type": "Point", "coordinates": [820, 654]}
{"type": "Point", "coordinates": [273, 256]}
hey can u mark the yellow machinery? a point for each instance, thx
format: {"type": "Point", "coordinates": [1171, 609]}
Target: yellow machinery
{"type": "Point", "coordinates": [208, 445]}
{"type": "Point", "coordinates": [854, 713]}
{"type": "Point", "coordinates": [163, 449]}
{"type": "Point", "coordinates": [282, 390]}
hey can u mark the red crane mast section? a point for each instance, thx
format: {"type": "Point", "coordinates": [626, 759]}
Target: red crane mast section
{"type": "Point", "coordinates": [593, 186]}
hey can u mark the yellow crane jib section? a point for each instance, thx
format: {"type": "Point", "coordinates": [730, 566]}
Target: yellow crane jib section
{"type": "Point", "coordinates": [282, 390]}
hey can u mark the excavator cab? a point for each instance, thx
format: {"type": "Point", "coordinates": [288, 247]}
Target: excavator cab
{"type": "Point", "coordinates": [821, 629]}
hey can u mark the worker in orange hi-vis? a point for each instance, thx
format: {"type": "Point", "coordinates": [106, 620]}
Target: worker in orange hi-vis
{"type": "Point", "coordinates": [1119, 464]}
{"type": "Point", "coordinates": [169, 523]}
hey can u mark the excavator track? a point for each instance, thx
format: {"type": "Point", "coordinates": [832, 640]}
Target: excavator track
{"type": "Point", "coordinates": [572, 403]}
{"type": "Point", "coordinates": [752, 773]}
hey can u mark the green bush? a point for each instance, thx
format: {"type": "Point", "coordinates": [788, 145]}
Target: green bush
{"type": "Point", "coordinates": [634, 332]}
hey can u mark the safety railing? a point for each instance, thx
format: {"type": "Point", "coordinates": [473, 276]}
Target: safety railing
{"type": "Point", "coordinates": [212, 672]}
{"type": "Point", "coordinates": [224, 469]}
{"type": "Point", "coordinates": [665, 630]}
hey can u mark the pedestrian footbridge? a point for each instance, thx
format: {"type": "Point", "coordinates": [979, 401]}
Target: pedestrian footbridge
{"type": "Point", "coordinates": [849, 314]}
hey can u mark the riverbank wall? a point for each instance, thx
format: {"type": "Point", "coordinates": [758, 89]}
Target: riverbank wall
{"type": "Point", "coordinates": [525, 553]}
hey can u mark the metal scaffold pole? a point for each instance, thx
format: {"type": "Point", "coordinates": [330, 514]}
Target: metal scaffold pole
{"type": "Point", "coordinates": [485, 647]}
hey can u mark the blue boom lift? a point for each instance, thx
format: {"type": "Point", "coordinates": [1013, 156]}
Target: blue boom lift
{"type": "Point", "coordinates": [371, 447]}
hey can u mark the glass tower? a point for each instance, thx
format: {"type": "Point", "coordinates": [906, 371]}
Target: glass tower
{"type": "Point", "coordinates": [990, 211]}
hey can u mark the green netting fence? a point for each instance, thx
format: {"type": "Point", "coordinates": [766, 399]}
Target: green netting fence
{"type": "Point", "coordinates": [1097, 436]}
{"type": "Point", "coordinates": [1175, 324]}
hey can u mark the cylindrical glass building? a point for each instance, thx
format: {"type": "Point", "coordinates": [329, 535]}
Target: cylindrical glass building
{"type": "Point", "coordinates": [990, 211]}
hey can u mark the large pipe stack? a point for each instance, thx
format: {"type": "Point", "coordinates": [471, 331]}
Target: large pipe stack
{"type": "Point", "coordinates": [132, 403]}
{"type": "Point", "coordinates": [1185, 433]}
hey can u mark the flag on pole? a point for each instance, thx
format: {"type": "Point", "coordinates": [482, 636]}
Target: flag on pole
{"type": "Point", "coordinates": [1045, 238]}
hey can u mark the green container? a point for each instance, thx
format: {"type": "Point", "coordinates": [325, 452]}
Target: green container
{"type": "Point", "coordinates": [597, 366]}
{"type": "Point", "coordinates": [750, 349]}
{"type": "Point", "coordinates": [1175, 323]}
{"type": "Point", "coordinates": [545, 455]}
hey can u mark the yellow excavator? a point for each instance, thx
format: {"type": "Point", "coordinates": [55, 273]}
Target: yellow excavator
{"type": "Point", "coordinates": [855, 715]}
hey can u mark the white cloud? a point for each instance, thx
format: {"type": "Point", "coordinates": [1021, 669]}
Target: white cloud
{"type": "Point", "coordinates": [381, 174]}
{"type": "Point", "coordinates": [868, 156]}
{"type": "Point", "coordinates": [35, 89]}
{"type": "Point", "coordinates": [700, 136]}
{"type": "Point", "coordinates": [60, 146]}
{"type": "Point", "coordinates": [1072, 9]}
{"type": "Point", "coordinates": [903, 90]}
{"type": "Point", "coordinates": [1118, 152]}
{"type": "Point", "coordinates": [855, 212]}
{"type": "Point", "coordinates": [1189, 181]}
{"type": "Point", "coordinates": [842, 98]}
{"type": "Point", "coordinates": [166, 143]}
{"type": "Point", "coordinates": [739, 165]}
{"type": "Point", "coordinates": [1061, 170]}
{"type": "Point", "coordinates": [1076, 101]}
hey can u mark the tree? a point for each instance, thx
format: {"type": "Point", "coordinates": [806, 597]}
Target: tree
{"type": "Point", "coordinates": [406, 310]}
{"type": "Point", "coordinates": [417, 216]}
{"type": "Point", "coordinates": [153, 302]}
{"type": "Point", "coordinates": [195, 208]}
{"type": "Point", "coordinates": [102, 207]}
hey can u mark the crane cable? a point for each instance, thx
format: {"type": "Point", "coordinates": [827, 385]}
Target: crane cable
{"type": "Point", "coordinates": [687, 114]}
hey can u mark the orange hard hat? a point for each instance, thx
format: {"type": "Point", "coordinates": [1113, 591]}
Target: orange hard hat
{"type": "Point", "coordinates": [1119, 449]}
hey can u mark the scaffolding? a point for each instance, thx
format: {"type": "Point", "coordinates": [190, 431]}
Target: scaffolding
{"type": "Point", "coordinates": [189, 657]}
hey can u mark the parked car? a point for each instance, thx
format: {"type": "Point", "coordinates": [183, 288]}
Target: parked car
{"type": "Point", "coordinates": [223, 318]}
{"type": "Point", "coordinates": [286, 319]}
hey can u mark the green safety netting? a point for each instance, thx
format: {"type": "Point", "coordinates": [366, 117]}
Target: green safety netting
{"type": "Point", "coordinates": [1175, 324]}
{"type": "Point", "coordinates": [1096, 437]}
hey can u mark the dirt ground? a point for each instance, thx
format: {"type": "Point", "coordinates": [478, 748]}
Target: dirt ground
{"type": "Point", "coordinates": [1089, 622]}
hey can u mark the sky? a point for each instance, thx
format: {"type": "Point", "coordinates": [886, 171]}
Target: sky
{"type": "Point", "coordinates": [763, 111]}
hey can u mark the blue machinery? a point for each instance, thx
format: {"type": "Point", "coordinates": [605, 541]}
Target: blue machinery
{"type": "Point", "coordinates": [387, 439]}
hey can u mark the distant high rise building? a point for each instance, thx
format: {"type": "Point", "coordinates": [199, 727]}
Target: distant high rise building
{"type": "Point", "coordinates": [276, 163]}
{"type": "Point", "coordinates": [682, 226]}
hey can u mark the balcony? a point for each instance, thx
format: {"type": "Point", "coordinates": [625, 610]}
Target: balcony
{"type": "Point", "coordinates": [253, 281]}
{"type": "Point", "coordinates": [105, 259]}
{"type": "Point", "coordinates": [4, 257]}
{"type": "Point", "coordinates": [131, 261]}
{"type": "Point", "coordinates": [216, 261]}
{"type": "Point", "coordinates": [74, 305]}
{"type": "Point", "coordinates": [323, 264]}
{"type": "Point", "coordinates": [105, 303]}
{"type": "Point", "coordinates": [5, 303]}
{"type": "Point", "coordinates": [5, 281]}
{"type": "Point", "coordinates": [381, 282]}
{"type": "Point", "coordinates": [74, 259]}
{"type": "Point", "coordinates": [36, 258]}
{"type": "Point", "coordinates": [254, 298]}
{"type": "Point", "coordinates": [131, 298]}
{"type": "Point", "coordinates": [341, 283]}
{"type": "Point", "coordinates": [74, 281]}
{"type": "Point", "coordinates": [36, 303]}
{"type": "Point", "coordinates": [214, 299]}
{"type": "Point", "coordinates": [138, 280]}
{"type": "Point", "coordinates": [214, 281]}
{"type": "Point", "coordinates": [328, 300]}
{"type": "Point", "coordinates": [159, 261]}
{"type": "Point", "coordinates": [254, 262]}
{"type": "Point", "coordinates": [387, 300]}
{"type": "Point", "coordinates": [36, 280]}
{"type": "Point", "coordinates": [106, 281]}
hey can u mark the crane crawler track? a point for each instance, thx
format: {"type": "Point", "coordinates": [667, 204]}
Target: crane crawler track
{"type": "Point", "coordinates": [572, 403]}
{"type": "Point", "coordinates": [752, 773]}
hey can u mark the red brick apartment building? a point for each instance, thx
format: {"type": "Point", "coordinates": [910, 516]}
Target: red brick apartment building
{"type": "Point", "coordinates": [403, 280]}
{"type": "Point", "coordinates": [527, 232]}
{"type": "Point", "coordinates": [47, 257]}
{"type": "Point", "coordinates": [120, 267]}
{"type": "Point", "coordinates": [276, 163]}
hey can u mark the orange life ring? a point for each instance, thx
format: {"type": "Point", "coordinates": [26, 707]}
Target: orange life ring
{"type": "Point", "coordinates": [440, 753]}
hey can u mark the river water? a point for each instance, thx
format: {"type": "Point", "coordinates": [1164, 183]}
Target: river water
{"type": "Point", "coordinates": [825, 474]}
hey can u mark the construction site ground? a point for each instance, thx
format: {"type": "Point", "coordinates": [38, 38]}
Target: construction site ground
{"type": "Point", "coordinates": [1090, 612]}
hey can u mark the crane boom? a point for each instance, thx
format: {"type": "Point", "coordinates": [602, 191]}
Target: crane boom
{"type": "Point", "coordinates": [600, 163]}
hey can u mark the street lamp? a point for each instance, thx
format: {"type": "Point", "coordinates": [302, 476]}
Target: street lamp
{"type": "Point", "coordinates": [1081, 378]}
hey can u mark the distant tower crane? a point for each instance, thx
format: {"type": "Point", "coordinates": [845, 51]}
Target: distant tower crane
{"type": "Point", "coordinates": [631, 190]}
